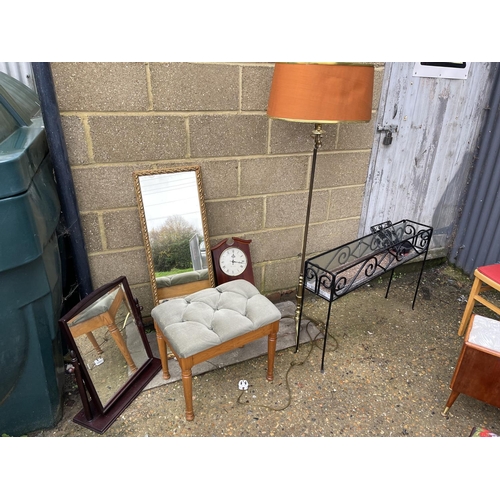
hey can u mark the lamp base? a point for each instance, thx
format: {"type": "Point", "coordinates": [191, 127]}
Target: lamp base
{"type": "Point", "coordinates": [298, 310]}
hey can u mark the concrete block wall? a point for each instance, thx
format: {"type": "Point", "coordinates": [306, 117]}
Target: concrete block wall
{"type": "Point", "coordinates": [122, 117]}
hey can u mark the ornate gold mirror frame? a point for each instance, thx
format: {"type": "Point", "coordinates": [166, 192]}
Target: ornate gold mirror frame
{"type": "Point", "coordinates": [175, 230]}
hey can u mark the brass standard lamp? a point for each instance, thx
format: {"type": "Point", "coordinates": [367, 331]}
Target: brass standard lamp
{"type": "Point", "coordinates": [319, 93]}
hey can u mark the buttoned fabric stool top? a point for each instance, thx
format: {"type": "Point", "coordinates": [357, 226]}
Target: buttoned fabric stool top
{"type": "Point", "coordinates": [212, 321]}
{"type": "Point", "coordinates": [212, 316]}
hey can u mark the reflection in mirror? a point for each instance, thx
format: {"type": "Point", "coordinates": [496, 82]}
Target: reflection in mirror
{"type": "Point", "coordinates": [111, 351]}
{"type": "Point", "coordinates": [174, 226]}
{"type": "Point", "coordinates": [108, 340]}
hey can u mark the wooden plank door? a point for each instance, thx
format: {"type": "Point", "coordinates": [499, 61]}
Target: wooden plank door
{"type": "Point", "coordinates": [422, 174]}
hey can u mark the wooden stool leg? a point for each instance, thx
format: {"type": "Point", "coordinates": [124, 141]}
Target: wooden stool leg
{"type": "Point", "coordinates": [162, 347]}
{"type": "Point", "coordinates": [271, 351]}
{"type": "Point", "coordinates": [187, 384]}
{"type": "Point", "coordinates": [93, 341]}
{"type": "Point", "coordinates": [476, 287]}
{"type": "Point", "coordinates": [451, 400]}
{"type": "Point", "coordinates": [117, 336]}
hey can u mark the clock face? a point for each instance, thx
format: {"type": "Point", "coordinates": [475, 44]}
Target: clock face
{"type": "Point", "coordinates": [233, 261]}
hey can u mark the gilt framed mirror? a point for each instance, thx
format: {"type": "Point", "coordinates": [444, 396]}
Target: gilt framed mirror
{"type": "Point", "coordinates": [175, 230]}
{"type": "Point", "coordinates": [111, 354]}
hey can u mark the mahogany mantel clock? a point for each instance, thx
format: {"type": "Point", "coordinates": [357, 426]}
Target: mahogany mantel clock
{"type": "Point", "coordinates": [232, 261]}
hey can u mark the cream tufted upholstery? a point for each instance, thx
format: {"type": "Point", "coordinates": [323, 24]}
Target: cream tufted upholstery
{"type": "Point", "coordinates": [213, 321]}
{"type": "Point", "coordinates": [210, 317]}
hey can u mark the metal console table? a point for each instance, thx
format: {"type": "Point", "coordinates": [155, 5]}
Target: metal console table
{"type": "Point", "coordinates": [334, 273]}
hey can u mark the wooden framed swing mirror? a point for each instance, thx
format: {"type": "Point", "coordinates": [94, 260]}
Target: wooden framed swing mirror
{"type": "Point", "coordinates": [111, 354]}
{"type": "Point", "coordinates": [175, 230]}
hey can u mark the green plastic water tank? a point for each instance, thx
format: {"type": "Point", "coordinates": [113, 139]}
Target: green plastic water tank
{"type": "Point", "coordinates": [31, 359]}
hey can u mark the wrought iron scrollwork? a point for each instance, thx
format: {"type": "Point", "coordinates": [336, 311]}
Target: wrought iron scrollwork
{"type": "Point", "coordinates": [333, 274]}
{"type": "Point", "coordinates": [336, 272]}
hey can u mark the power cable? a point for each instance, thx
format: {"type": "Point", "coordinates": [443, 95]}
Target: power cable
{"type": "Point", "coordinates": [313, 342]}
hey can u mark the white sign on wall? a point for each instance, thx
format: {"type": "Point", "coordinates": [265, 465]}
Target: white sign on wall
{"type": "Point", "coordinates": [455, 70]}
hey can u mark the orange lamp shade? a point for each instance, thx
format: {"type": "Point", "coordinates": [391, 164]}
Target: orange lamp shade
{"type": "Point", "coordinates": [321, 92]}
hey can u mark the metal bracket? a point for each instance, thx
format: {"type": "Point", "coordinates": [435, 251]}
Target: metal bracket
{"type": "Point", "coordinates": [389, 130]}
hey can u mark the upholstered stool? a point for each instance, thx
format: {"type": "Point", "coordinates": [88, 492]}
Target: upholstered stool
{"type": "Point", "coordinates": [477, 373]}
{"type": "Point", "coordinates": [211, 322]}
{"type": "Point", "coordinates": [485, 278]}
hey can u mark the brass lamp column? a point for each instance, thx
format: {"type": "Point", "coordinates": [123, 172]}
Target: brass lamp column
{"type": "Point", "coordinates": [319, 93]}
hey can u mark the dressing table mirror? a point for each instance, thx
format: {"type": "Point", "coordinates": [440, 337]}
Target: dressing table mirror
{"type": "Point", "coordinates": [111, 354]}
{"type": "Point", "coordinates": [175, 231]}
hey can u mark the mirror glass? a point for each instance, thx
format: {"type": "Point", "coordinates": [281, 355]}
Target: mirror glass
{"type": "Point", "coordinates": [112, 357]}
{"type": "Point", "coordinates": [108, 340]}
{"type": "Point", "coordinates": [173, 220]}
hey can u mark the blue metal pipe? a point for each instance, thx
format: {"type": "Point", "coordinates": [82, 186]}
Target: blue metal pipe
{"type": "Point", "coordinates": [64, 180]}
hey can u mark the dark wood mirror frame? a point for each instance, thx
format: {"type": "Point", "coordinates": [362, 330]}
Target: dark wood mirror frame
{"type": "Point", "coordinates": [99, 415]}
{"type": "Point", "coordinates": [172, 291]}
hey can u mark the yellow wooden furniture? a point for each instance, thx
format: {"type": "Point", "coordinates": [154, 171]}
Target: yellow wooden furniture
{"type": "Point", "coordinates": [211, 322]}
{"type": "Point", "coordinates": [485, 278]}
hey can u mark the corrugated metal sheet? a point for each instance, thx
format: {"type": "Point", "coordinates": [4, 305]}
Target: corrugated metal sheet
{"type": "Point", "coordinates": [423, 174]}
{"type": "Point", "coordinates": [20, 71]}
{"type": "Point", "coordinates": [477, 240]}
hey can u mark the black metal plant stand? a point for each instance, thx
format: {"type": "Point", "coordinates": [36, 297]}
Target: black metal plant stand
{"type": "Point", "coordinates": [334, 273]}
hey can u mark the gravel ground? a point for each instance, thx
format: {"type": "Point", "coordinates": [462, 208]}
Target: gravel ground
{"type": "Point", "coordinates": [387, 373]}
